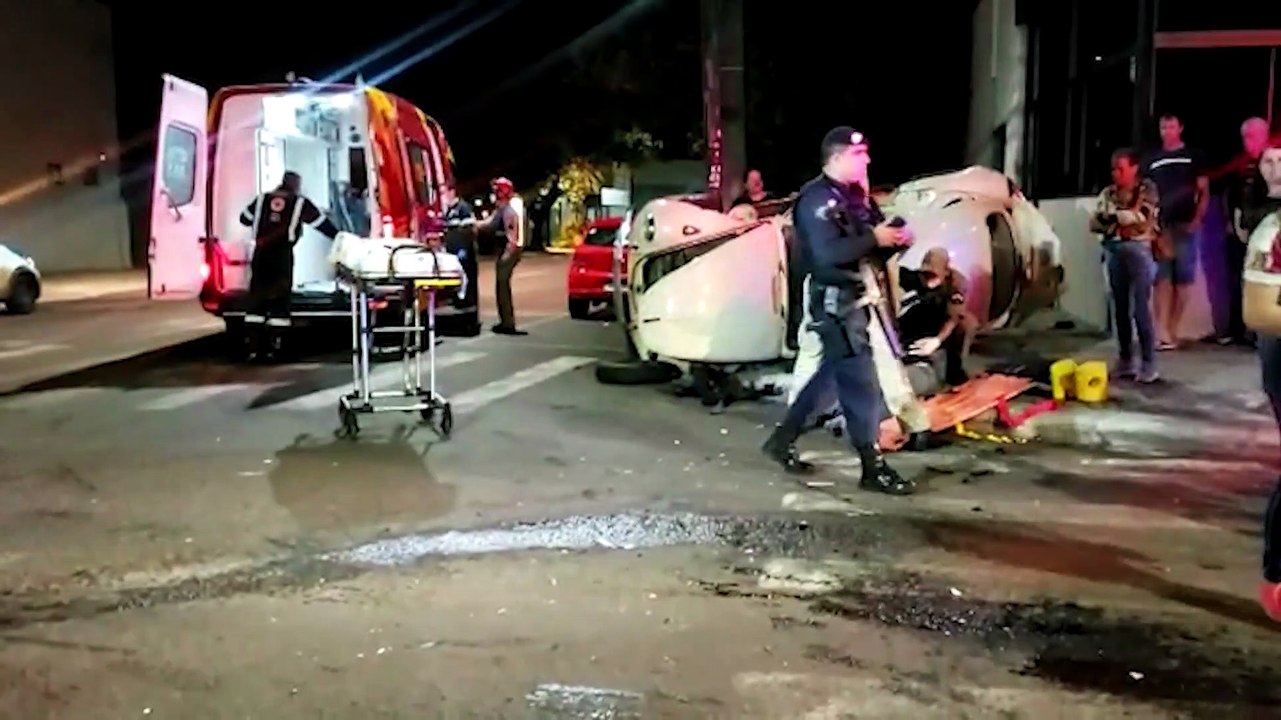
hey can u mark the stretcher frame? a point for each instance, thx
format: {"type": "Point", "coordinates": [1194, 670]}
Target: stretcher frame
{"type": "Point", "coordinates": [418, 291]}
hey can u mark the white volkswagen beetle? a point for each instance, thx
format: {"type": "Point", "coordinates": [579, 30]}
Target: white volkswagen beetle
{"type": "Point", "coordinates": [712, 289]}
{"type": "Point", "coordinates": [19, 281]}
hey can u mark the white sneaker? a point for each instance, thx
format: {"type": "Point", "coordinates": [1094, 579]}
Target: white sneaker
{"type": "Point", "coordinates": [1149, 377]}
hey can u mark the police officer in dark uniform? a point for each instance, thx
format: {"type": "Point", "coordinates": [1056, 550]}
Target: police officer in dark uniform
{"type": "Point", "coordinates": [277, 219]}
{"type": "Point", "coordinates": [837, 228]}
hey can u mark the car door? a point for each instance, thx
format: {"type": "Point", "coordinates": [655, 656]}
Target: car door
{"type": "Point", "coordinates": [178, 191]}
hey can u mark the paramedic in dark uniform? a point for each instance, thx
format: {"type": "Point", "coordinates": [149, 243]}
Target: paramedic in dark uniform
{"type": "Point", "coordinates": [931, 318]}
{"type": "Point", "coordinates": [460, 239]}
{"type": "Point", "coordinates": [508, 223]}
{"type": "Point", "coordinates": [277, 219]}
{"type": "Point", "coordinates": [836, 229]}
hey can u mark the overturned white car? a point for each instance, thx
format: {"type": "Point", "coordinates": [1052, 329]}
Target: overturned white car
{"type": "Point", "coordinates": [707, 289]}
{"type": "Point", "coordinates": [19, 281]}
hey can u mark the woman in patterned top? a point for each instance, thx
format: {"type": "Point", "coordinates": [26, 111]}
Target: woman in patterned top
{"type": "Point", "coordinates": [1126, 217]}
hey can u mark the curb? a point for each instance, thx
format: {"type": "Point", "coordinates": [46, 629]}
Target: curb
{"type": "Point", "coordinates": [1145, 433]}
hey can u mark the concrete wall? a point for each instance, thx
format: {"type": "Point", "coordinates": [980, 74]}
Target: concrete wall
{"type": "Point", "coordinates": [997, 84]}
{"type": "Point", "coordinates": [1085, 294]}
{"type": "Point", "coordinates": [1085, 298]}
{"type": "Point", "coordinates": [59, 106]}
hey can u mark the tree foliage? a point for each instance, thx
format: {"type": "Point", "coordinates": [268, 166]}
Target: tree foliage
{"type": "Point", "coordinates": [580, 179]}
{"type": "Point", "coordinates": [639, 89]}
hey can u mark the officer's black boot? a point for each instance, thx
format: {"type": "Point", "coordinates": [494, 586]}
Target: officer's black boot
{"type": "Point", "coordinates": [879, 476]}
{"type": "Point", "coordinates": [275, 345]}
{"type": "Point", "coordinates": [781, 448]}
{"type": "Point", "coordinates": [254, 343]}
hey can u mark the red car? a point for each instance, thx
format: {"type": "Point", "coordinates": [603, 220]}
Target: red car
{"type": "Point", "coordinates": [591, 272]}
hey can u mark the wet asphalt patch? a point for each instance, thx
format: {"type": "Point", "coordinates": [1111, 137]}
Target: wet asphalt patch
{"type": "Point", "coordinates": [1191, 672]}
{"type": "Point", "coordinates": [1142, 658]}
{"type": "Point", "coordinates": [784, 534]}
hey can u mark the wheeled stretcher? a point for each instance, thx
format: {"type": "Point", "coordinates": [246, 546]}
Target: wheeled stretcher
{"type": "Point", "coordinates": [370, 265]}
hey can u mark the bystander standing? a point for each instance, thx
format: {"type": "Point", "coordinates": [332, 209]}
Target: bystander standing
{"type": "Point", "coordinates": [1126, 218]}
{"type": "Point", "coordinates": [1246, 196]}
{"type": "Point", "coordinates": [1179, 173]}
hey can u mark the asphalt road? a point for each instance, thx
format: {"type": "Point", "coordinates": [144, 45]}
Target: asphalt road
{"type": "Point", "coordinates": [183, 537]}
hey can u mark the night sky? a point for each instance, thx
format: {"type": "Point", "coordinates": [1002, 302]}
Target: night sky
{"type": "Point", "coordinates": [810, 65]}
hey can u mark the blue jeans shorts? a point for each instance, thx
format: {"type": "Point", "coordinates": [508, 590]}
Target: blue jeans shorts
{"type": "Point", "coordinates": [1181, 269]}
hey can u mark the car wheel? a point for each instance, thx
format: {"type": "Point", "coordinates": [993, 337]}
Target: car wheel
{"type": "Point", "coordinates": [579, 309]}
{"type": "Point", "coordinates": [23, 294]}
{"type": "Point", "coordinates": [635, 373]}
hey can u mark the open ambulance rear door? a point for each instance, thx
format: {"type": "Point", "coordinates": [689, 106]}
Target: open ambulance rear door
{"type": "Point", "coordinates": [175, 257]}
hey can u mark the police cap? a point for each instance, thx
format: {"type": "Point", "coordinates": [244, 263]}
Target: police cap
{"type": "Point", "coordinates": [839, 138]}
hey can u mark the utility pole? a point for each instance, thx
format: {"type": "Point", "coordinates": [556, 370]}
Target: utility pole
{"type": "Point", "coordinates": [722, 30]}
{"type": "Point", "coordinates": [1143, 72]}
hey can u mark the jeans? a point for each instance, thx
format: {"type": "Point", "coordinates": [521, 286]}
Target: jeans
{"type": "Point", "coordinates": [1270, 363]}
{"type": "Point", "coordinates": [1131, 273]}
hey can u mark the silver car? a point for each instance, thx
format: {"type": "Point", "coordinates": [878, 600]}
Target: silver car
{"type": "Point", "coordinates": [19, 281]}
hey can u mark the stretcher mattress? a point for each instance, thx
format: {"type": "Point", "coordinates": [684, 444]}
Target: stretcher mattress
{"type": "Point", "coordinates": [391, 258]}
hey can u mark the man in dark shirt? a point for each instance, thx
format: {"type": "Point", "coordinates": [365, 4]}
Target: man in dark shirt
{"type": "Point", "coordinates": [1246, 195]}
{"type": "Point", "coordinates": [931, 316]}
{"type": "Point", "coordinates": [1183, 185]}
{"type": "Point", "coordinates": [460, 240]}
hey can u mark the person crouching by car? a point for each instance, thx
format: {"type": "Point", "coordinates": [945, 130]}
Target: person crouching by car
{"type": "Point", "coordinates": [932, 321]}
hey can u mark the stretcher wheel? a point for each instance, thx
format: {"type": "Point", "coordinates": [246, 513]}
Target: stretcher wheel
{"type": "Point", "coordinates": [446, 420]}
{"type": "Point", "coordinates": [446, 425]}
{"type": "Point", "coordinates": [350, 425]}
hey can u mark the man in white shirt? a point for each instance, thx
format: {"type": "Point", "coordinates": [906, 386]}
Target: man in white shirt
{"type": "Point", "coordinates": [508, 223]}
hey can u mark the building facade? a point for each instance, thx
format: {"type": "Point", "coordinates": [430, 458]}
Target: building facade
{"type": "Point", "coordinates": [1057, 86]}
{"type": "Point", "coordinates": [59, 190]}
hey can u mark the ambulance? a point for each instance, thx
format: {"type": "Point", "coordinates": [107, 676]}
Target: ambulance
{"type": "Point", "coordinates": [373, 162]}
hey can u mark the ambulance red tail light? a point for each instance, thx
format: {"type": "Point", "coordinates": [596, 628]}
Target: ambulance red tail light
{"type": "Point", "coordinates": [211, 272]}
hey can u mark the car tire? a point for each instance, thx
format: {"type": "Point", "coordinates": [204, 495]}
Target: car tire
{"type": "Point", "coordinates": [580, 309]}
{"type": "Point", "coordinates": [635, 373]}
{"type": "Point", "coordinates": [22, 294]}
